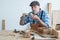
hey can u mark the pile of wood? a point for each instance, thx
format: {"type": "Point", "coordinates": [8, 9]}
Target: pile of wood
{"type": "Point", "coordinates": [44, 31]}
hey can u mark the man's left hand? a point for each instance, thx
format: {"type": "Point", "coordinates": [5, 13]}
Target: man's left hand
{"type": "Point", "coordinates": [35, 17]}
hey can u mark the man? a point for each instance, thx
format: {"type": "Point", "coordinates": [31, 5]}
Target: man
{"type": "Point", "coordinates": [37, 16]}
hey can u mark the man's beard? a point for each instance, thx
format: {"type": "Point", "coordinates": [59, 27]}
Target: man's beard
{"type": "Point", "coordinates": [34, 12]}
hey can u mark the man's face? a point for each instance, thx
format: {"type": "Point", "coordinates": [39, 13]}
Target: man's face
{"type": "Point", "coordinates": [35, 8]}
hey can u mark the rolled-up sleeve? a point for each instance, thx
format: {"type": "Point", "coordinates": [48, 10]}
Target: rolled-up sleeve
{"type": "Point", "coordinates": [26, 19]}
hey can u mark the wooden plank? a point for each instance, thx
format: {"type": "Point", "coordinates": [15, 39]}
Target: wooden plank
{"type": "Point", "coordinates": [50, 13]}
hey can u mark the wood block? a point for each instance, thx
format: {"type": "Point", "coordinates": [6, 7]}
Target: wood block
{"type": "Point", "coordinates": [3, 24]}
{"type": "Point", "coordinates": [49, 7]}
{"type": "Point", "coordinates": [58, 27]}
{"type": "Point", "coordinates": [58, 34]}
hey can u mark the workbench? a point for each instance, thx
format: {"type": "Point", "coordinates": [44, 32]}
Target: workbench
{"type": "Point", "coordinates": [10, 35]}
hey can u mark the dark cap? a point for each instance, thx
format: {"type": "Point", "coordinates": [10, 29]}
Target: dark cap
{"type": "Point", "coordinates": [33, 3]}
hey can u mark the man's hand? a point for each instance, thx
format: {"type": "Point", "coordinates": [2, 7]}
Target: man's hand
{"type": "Point", "coordinates": [34, 17]}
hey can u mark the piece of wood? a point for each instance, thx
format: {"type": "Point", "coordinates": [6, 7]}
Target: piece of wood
{"type": "Point", "coordinates": [54, 33]}
{"type": "Point", "coordinates": [3, 24]}
{"type": "Point", "coordinates": [49, 7]}
{"type": "Point", "coordinates": [50, 13]}
{"type": "Point", "coordinates": [41, 30]}
{"type": "Point", "coordinates": [44, 31]}
{"type": "Point", "coordinates": [58, 27]}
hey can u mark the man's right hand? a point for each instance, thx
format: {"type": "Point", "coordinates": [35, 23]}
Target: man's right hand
{"type": "Point", "coordinates": [22, 19]}
{"type": "Point", "coordinates": [34, 17]}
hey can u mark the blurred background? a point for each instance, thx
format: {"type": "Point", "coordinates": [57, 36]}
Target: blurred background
{"type": "Point", "coordinates": [12, 10]}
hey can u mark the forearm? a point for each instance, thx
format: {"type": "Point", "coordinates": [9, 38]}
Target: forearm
{"type": "Point", "coordinates": [41, 23]}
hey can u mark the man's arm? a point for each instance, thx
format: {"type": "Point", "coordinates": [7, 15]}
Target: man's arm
{"type": "Point", "coordinates": [45, 20]}
{"type": "Point", "coordinates": [24, 20]}
{"type": "Point", "coordinates": [41, 23]}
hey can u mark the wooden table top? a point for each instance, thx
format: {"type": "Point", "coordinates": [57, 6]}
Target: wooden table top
{"type": "Point", "coordinates": [9, 35]}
